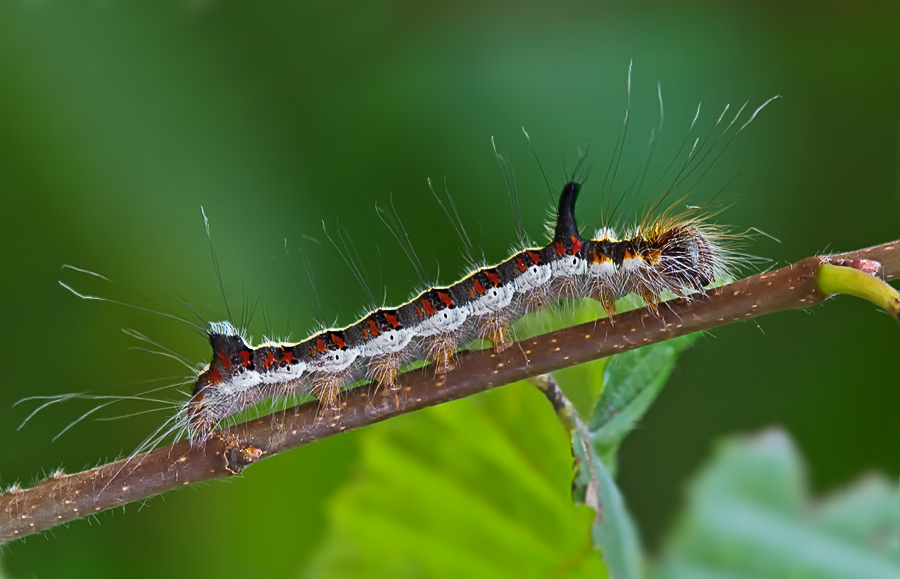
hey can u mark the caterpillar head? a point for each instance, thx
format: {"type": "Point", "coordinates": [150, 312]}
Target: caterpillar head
{"type": "Point", "coordinates": [688, 257]}
{"type": "Point", "coordinates": [231, 357]}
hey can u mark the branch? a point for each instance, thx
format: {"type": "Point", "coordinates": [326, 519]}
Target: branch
{"type": "Point", "coordinates": [64, 498]}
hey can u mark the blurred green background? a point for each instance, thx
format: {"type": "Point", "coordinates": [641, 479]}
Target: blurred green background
{"type": "Point", "coordinates": [119, 120]}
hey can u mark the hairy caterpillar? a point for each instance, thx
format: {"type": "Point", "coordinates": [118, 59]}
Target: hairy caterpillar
{"type": "Point", "coordinates": [682, 257]}
{"type": "Point", "coordinates": [677, 251]}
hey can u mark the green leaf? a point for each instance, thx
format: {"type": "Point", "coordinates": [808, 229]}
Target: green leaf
{"type": "Point", "coordinates": [749, 516]}
{"type": "Point", "coordinates": [476, 488]}
{"type": "Point", "coordinates": [632, 381]}
{"type": "Point", "coordinates": [613, 530]}
{"type": "Point", "coordinates": [864, 515]}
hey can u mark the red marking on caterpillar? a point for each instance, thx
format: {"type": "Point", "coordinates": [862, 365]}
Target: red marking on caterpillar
{"type": "Point", "coordinates": [445, 298]}
{"type": "Point", "coordinates": [560, 248]}
{"type": "Point", "coordinates": [576, 245]}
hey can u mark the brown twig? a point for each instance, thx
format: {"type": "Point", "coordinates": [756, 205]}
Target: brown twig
{"type": "Point", "coordinates": [64, 498]}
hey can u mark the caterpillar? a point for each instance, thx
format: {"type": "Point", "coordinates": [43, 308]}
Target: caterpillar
{"type": "Point", "coordinates": [678, 251]}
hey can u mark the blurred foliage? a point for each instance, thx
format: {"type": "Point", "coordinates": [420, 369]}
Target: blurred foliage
{"type": "Point", "coordinates": [118, 120]}
{"type": "Point", "coordinates": [483, 487]}
{"type": "Point", "coordinates": [474, 488]}
{"type": "Point", "coordinates": [749, 515]}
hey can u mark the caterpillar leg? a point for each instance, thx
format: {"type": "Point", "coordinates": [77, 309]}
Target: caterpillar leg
{"type": "Point", "coordinates": [499, 338]}
{"type": "Point", "coordinates": [327, 388]}
{"type": "Point", "coordinates": [536, 299]}
{"type": "Point", "coordinates": [440, 349]}
{"type": "Point", "coordinates": [495, 328]}
{"type": "Point", "coordinates": [607, 301]}
{"type": "Point", "coordinates": [200, 424]}
{"type": "Point", "coordinates": [383, 370]}
{"type": "Point", "coordinates": [650, 298]}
